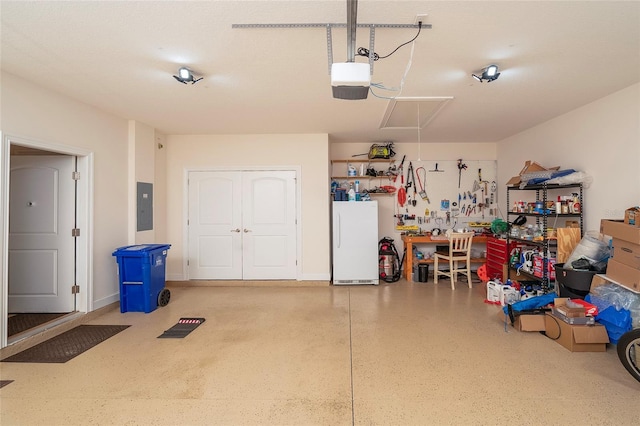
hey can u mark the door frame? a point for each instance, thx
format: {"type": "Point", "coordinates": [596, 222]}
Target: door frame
{"type": "Point", "coordinates": [84, 211]}
{"type": "Point", "coordinates": [185, 207]}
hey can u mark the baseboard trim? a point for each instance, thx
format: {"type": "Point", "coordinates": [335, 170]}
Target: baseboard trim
{"type": "Point", "coordinates": [241, 283]}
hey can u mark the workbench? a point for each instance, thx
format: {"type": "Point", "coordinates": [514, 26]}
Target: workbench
{"type": "Point", "coordinates": [410, 240]}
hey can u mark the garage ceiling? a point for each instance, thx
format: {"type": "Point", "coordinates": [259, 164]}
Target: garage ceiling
{"type": "Point", "coordinates": [120, 56]}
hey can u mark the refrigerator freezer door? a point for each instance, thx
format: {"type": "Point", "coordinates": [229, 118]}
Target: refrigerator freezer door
{"type": "Point", "coordinates": [355, 242]}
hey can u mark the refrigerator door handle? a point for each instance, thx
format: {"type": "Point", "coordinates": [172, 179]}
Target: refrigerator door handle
{"type": "Point", "coordinates": [339, 228]}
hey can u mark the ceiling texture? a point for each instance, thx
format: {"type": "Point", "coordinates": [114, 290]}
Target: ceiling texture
{"type": "Point", "coordinates": [120, 56]}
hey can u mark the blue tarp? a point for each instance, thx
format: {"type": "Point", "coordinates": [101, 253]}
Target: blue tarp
{"type": "Point", "coordinates": [532, 303]}
{"type": "Point", "coordinates": [616, 322]}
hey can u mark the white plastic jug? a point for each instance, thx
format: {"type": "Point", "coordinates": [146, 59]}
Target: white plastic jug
{"type": "Point", "coordinates": [493, 291]}
{"type": "Point", "coordinates": [508, 295]}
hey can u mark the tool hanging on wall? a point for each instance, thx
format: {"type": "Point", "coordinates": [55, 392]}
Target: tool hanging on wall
{"type": "Point", "coordinates": [400, 171]}
{"type": "Point", "coordinates": [436, 169]}
{"type": "Point", "coordinates": [494, 186]}
{"type": "Point", "coordinates": [411, 182]}
{"type": "Point", "coordinates": [461, 167]}
{"type": "Point", "coordinates": [402, 193]}
{"type": "Point", "coordinates": [402, 196]}
{"type": "Point", "coordinates": [409, 175]}
{"type": "Point", "coordinates": [423, 193]}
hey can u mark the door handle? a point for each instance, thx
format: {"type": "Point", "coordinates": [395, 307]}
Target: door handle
{"type": "Point", "coordinates": [235, 230]}
{"type": "Point", "coordinates": [246, 230]}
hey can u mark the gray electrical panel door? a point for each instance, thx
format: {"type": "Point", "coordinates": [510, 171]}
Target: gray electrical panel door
{"type": "Point", "coordinates": [145, 206]}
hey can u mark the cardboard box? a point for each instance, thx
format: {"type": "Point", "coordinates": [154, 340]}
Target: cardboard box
{"type": "Point", "coordinates": [589, 308]}
{"type": "Point", "coordinates": [560, 304]}
{"type": "Point", "coordinates": [573, 320]}
{"type": "Point", "coordinates": [624, 275]}
{"type": "Point", "coordinates": [570, 312]}
{"type": "Point", "coordinates": [529, 167]}
{"type": "Point", "coordinates": [601, 279]}
{"type": "Point", "coordinates": [626, 252]}
{"type": "Point", "coordinates": [530, 323]}
{"type": "Point", "coordinates": [525, 322]}
{"type": "Point", "coordinates": [619, 229]}
{"type": "Point", "coordinates": [632, 216]}
{"type": "Point", "coordinates": [576, 338]}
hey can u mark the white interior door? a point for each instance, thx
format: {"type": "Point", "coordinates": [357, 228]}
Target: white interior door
{"type": "Point", "coordinates": [41, 245]}
{"type": "Point", "coordinates": [269, 225]}
{"type": "Point", "coordinates": [215, 221]}
{"type": "Point", "coordinates": [242, 225]}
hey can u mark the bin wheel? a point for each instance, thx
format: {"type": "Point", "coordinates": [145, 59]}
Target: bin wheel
{"type": "Point", "coordinates": [163, 297]}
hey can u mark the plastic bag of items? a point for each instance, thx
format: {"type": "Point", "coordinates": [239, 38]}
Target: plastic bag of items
{"type": "Point", "coordinates": [591, 254]}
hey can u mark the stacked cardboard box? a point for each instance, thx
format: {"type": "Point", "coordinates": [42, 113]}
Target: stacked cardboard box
{"type": "Point", "coordinates": [573, 329]}
{"type": "Point", "coordinates": [632, 216]}
{"type": "Point", "coordinates": [624, 265]}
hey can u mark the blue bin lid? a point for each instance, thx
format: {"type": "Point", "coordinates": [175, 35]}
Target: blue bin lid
{"type": "Point", "coordinates": [140, 249]}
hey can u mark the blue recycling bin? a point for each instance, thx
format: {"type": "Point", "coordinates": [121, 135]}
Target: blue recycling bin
{"type": "Point", "coordinates": [142, 277]}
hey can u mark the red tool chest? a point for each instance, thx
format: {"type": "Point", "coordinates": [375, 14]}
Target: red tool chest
{"type": "Point", "coordinates": [498, 256]}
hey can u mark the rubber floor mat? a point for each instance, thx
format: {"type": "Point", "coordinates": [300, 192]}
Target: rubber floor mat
{"type": "Point", "coordinates": [68, 345]}
{"type": "Point", "coordinates": [21, 322]}
{"type": "Point", "coordinates": [182, 328]}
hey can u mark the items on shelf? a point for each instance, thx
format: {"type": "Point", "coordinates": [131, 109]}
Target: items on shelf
{"type": "Point", "coordinates": [537, 257]}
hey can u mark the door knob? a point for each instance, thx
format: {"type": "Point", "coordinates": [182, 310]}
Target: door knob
{"type": "Point", "coordinates": [235, 230]}
{"type": "Point", "coordinates": [246, 230]}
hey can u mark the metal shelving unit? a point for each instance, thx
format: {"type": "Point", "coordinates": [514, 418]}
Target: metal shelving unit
{"type": "Point", "coordinates": [338, 175]}
{"type": "Point", "coordinates": [542, 220]}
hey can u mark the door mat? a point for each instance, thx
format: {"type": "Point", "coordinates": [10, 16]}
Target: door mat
{"type": "Point", "coordinates": [21, 322]}
{"type": "Point", "coordinates": [4, 383]}
{"type": "Point", "coordinates": [67, 345]}
{"type": "Point", "coordinates": [182, 328]}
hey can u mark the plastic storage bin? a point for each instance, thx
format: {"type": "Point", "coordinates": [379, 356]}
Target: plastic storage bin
{"type": "Point", "coordinates": [573, 283]}
{"type": "Point", "coordinates": [142, 277]}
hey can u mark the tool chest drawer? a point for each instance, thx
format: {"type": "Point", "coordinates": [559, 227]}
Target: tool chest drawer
{"type": "Point", "coordinates": [498, 256]}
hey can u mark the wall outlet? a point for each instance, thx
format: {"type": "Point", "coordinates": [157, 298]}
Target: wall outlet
{"type": "Point", "coordinates": [421, 17]}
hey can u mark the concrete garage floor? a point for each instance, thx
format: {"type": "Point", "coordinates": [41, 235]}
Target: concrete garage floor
{"type": "Point", "coordinates": [399, 354]}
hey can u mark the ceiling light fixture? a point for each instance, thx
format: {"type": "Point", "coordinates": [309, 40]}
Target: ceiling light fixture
{"type": "Point", "coordinates": [490, 73]}
{"type": "Point", "coordinates": [185, 76]}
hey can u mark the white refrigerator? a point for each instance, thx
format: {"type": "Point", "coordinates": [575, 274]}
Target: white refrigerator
{"type": "Point", "coordinates": [355, 242]}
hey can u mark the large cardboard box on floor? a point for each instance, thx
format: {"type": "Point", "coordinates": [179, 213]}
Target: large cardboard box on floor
{"type": "Point", "coordinates": [619, 229]}
{"type": "Point", "coordinates": [576, 338]}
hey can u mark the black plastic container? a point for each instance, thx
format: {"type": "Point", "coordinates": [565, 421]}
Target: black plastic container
{"type": "Point", "coordinates": [573, 283]}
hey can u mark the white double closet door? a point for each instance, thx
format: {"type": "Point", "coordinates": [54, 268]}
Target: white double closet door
{"type": "Point", "coordinates": [242, 225]}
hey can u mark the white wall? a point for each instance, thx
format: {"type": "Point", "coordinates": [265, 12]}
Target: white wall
{"type": "Point", "coordinates": [160, 190]}
{"type": "Point", "coordinates": [142, 150]}
{"type": "Point", "coordinates": [309, 152]}
{"type": "Point", "coordinates": [420, 154]}
{"type": "Point", "coordinates": [33, 113]}
{"type": "Point", "coordinates": [601, 139]}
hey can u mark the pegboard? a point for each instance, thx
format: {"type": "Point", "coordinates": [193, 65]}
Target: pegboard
{"type": "Point", "coordinates": [464, 197]}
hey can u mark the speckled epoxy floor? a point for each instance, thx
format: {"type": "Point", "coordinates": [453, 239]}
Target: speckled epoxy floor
{"type": "Point", "coordinates": [400, 354]}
